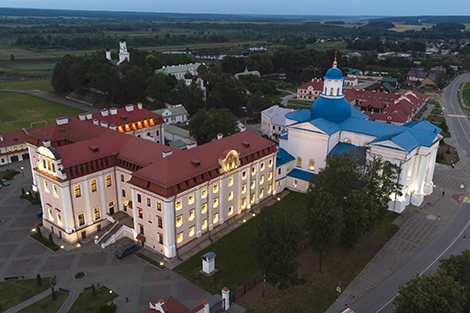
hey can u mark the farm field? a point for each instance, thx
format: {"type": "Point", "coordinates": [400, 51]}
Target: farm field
{"type": "Point", "coordinates": [19, 110]}
{"type": "Point", "coordinates": [402, 28]}
{"type": "Point", "coordinates": [40, 84]}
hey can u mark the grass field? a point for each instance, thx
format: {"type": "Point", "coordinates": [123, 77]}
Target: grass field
{"type": "Point", "coordinates": [402, 28]}
{"type": "Point", "coordinates": [87, 303]}
{"type": "Point", "coordinates": [46, 305]}
{"type": "Point", "coordinates": [236, 264]}
{"type": "Point", "coordinates": [301, 102]}
{"type": "Point", "coordinates": [466, 94]}
{"type": "Point", "coordinates": [15, 292]}
{"type": "Point", "coordinates": [18, 110]}
{"type": "Point", "coordinates": [40, 84]}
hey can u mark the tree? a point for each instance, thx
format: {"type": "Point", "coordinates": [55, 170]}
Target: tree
{"type": "Point", "coordinates": [12, 57]}
{"type": "Point", "coordinates": [204, 125]}
{"type": "Point", "coordinates": [53, 294]}
{"type": "Point", "coordinates": [441, 80]}
{"type": "Point", "coordinates": [276, 247]}
{"type": "Point", "coordinates": [458, 268]}
{"type": "Point", "coordinates": [38, 280]}
{"type": "Point", "coordinates": [191, 97]}
{"type": "Point", "coordinates": [93, 290]}
{"type": "Point", "coordinates": [438, 293]}
{"type": "Point", "coordinates": [50, 238]}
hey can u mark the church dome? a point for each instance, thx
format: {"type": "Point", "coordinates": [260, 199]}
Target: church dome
{"type": "Point", "coordinates": [335, 110]}
{"type": "Point", "coordinates": [334, 73]}
{"type": "Point", "coordinates": [188, 75]}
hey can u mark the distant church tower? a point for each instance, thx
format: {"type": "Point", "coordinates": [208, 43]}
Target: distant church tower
{"type": "Point", "coordinates": [108, 53]}
{"type": "Point", "coordinates": [123, 54]}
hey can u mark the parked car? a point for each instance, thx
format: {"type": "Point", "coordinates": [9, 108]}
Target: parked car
{"type": "Point", "coordinates": [5, 182]}
{"type": "Point", "coordinates": [127, 250]}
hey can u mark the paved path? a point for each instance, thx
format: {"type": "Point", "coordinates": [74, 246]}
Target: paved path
{"type": "Point", "coordinates": [130, 277]}
{"type": "Point", "coordinates": [56, 98]}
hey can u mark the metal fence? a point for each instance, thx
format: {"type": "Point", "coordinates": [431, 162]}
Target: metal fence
{"type": "Point", "coordinates": [218, 307]}
{"type": "Point", "coordinates": [242, 290]}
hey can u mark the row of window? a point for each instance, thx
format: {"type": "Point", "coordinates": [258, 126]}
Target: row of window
{"type": "Point", "coordinates": [311, 164]}
{"type": "Point", "coordinates": [192, 232]}
{"type": "Point", "coordinates": [77, 188]}
{"type": "Point", "coordinates": [80, 217]}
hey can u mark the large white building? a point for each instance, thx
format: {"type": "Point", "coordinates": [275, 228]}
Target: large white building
{"type": "Point", "coordinates": [331, 126]}
{"type": "Point", "coordinates": [123, 54]}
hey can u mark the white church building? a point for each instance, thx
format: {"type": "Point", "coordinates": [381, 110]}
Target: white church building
{"type": "Point", "coordinates": [123, 53]}
{"type": "Point", "coordinates": [332, 126]}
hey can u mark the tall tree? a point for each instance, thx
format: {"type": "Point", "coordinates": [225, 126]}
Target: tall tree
{"type": "Point", "coordinates": [458, 267]}
{"type": "Point", "coordinates": [438, 293]}
{"type": "Point", "coordinates": [276, 247]}
{"type": "Point", "coordinates": [205, 125]}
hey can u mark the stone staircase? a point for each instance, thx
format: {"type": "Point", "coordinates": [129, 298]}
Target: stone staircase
{"type": "Point", "coordinates": [121, 222]}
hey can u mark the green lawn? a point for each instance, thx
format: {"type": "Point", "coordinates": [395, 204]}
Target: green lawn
{"type": "Point", "coordinates": [41, 84]}
{"type": "Point", "coordinates": [15, 292]}
{"type": "Point", "coordinates": [46, 305]}
{"type": "Point", "coordinates": [18, 110]}
{"type": "Point", "coordinates": [236, 265]}
{"type": "Point", "coordinates": [45, 241]}
{"type": "Point", "coordinates": [436, 120]}
{"type": "Point", "coordinates": [466, 94]}
{"type": "Point", "coordinates": [235, 262]}
{"type": "Point", "coordinates": [306, 103]}
{"type": "Point", "coordinates": [87, 303]}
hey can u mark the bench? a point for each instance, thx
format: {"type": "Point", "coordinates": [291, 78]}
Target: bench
{"type": "Point", "coordinates": [63, 290]}
{"type": "Point", "coordinates": [13, 278]}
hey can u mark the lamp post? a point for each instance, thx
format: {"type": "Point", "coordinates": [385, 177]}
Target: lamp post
{"type": "Point", "coordinates": [22, 170]}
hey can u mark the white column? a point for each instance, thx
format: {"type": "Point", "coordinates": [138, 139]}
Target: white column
{"type": "Point", "coordinates": [210, 203]}
{"type": "Point", "coordinates": [198, 212]}
{"type": "Point", "coordinates": [119, 203]}
{"type": "Point", "coordinates": [429, 185]}
{"type": "Point", "coordinates": [68, 213]}
{"type": "Point", "coordinates": [222, 196]}
{"type": "Point", "coordinates": [169, 229]}
{"type": "Point", "coordinates": [89, 215]}
{"type": "Point", "coordinates": [134, 207]}
{"type": "Point", "coordinates": [226, 297]}
{"type": "Point", "coordinates": [240, 183]}
{"type": "Point", "coordinates": [257, 182]}
{"type": "Point", "coordinates": [103, 198]}
{"type": "Point", "coordinates": [248, 186]}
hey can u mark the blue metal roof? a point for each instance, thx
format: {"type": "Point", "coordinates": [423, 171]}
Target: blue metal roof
{"type": "Point", "coordinates": [326, 126]}
{"type": "Point", "coordinates": [335, 109]}
{"type": "Point", "coordinates": [283, 137]}
{"type": "Point", "coordinates": [344, 147]}
{"type": "Point", "coordinates": [334, 73]}
{"type": "Point", "coordinates": [302, 115]}
{"type": "Point", "coordinates": [282, 157]}
{"type": "Point", "coordinates": [299, 174]}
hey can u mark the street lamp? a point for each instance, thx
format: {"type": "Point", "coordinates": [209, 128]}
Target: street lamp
{"type": "Point", "coordinates": [22, 170]}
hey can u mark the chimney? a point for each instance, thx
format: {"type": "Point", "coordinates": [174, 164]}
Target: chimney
{"type": "Point", "coordinates": [191, 145]}
{"type": "Point", "coordinates": [1, 138]}
{"type": "Point", "coordinates": [62, 120]}
{"type": "Point", "coordinates": [96, 122]}
{"type": "Point", "coordinates": [89, 115]}
{"type": "Point", "coordinates": [104, 124]}
{"type": "Point", "coordinates": [220, 136]}
{"type": "Point", "coordinates": [112, 126]}
{"type": "Point", "coordinates": [243, 128]}
{"type": "Point", "coordinates": [167, 153]}
{"type": "Point", "coordinates": [46, 143]}
{"type": "Point", "coordinates": [113, 111]}
{"type": "Point", "coordinates": [139, 105]}
{"type": "Point", "coordinates": [129, 107]}
{"type": "Point", "coordinates": [104, 112]}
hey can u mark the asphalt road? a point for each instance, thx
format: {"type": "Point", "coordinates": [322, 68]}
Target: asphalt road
{"type": "Point", "coordinates": [448, 241]}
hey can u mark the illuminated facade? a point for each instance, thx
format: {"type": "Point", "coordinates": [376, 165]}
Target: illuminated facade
{"type": "Point", "coordinates": [97, 181]}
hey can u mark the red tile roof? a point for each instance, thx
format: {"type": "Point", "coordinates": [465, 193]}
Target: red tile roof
{"type": "Point", "coordinates": [122, 116]}
{"type": "Point", "coordinates": [13, 138]}
{"type": "Point", "coordinates": [373, 103]}
{"type": "Point", "coordinates": [316, 83]}
{"type": "Point", "coordinates": [170, 305]}
{"type": "Point", "coordinates": [179, 172]}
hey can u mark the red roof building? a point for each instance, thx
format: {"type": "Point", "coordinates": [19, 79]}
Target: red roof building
{"type": "Point", "coordinates": [13, 147]}
{"type": "Point", "coordinates": [171, 305]}
{"type": "Point", "coordinates": [310, 90]}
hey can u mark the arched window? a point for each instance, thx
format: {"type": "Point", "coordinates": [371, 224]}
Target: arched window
{"type": "Point", "coordinates": [347, 140]}
{"type": "Point", "coordinates": [337, 93]}
{"type": "Point", "coordinates": [312, 165]}
{"type": "Point", "coordinates": [325, 90]}
{"type": "Point", "coordinates": [299, 162]}
{"type": "Point", "coordinates": [331, 91]}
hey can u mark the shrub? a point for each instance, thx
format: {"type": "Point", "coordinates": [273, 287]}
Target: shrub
{"type": "Point", "coordinates": [448, 150]}
{"type": "Point", "coordinates": [93, 290]}
{"type": "Point", "coordinates": [54, 296]}
{"type": "Point", "coordinates": [23, 193]}
{"type": "Point", "coordinates": [10, 174]}
{"type": "Point", "coordinates": [104, 308]}
{"type": "Point", "coordinates": [39, 230]}
{"type": "Point", "coordinates": [50, 238]}
{"type": "Point", "coordinates": [39, 280]}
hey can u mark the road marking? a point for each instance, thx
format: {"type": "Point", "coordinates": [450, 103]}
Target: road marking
{"type": "Point", "coordinates": [456, 115]}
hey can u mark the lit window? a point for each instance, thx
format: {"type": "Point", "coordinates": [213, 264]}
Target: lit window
{"type": "Point", "coordinates": [347, 140]}
{"type": "Point", "coordinates": [43, 161]}
{"type": "Point", "coordinates": [270, 175]}
{"type": "Point", "coordinates": [230, 210]}
{"type": "Point", "coordinates": [139, 198]}
{"type": "Point", "coordinates": [230, 195]}
{"type": "Point", "coordinates": [108, 180]}
{"type": "Point", "coordinates": [270, 163]}
{"type": "Point", "coordinates": [140, 213]}
{"type": "Point", "coordinates": [312, 165]}
{"type": "Point", "coordinates": [243, 203]}
{"type": "Point", "coordinates": [230, 181]}
{"type": "Point", "coordinates": [191, 215]}
{"type": "Point", "coordinates": [51, 217]}
{"type": "Point", "coordinates": [78, 193]}
{"type": "Point", "coordinates": [269, 189]}
{"type": "Point", "coordinates": [216, 188]}
{"type": "Point", "coordinates": [288, 167]}
{"type": "Point", "coordinates": [149, 202]}
{"type": "Point", "coordinates": [191, 199]}
{"type": "Point", "coordinates": [252, 199]}
{"type": "Point", "coordinates": [204, 224]}
{"type": "Point", "coordinates": [53, 167]}
{"type": "Point", "coordinates": [261, 193]}
{"type": "Point", "coordinates": [204, 193]}
{"type": "Point", "coordinates": [97, 213]}
{"type": "Point", "coordinates": [204, 208]}
{"type": "Point", "coordinates": [299, 162]}
{"type": "Point", "coordinates": [253, 170]}
{"type": "Point", "coordinates": [93, 185]}
{"type": "Point", "coordinates": [243, 188]}
{"type": "Point", "coordinates": [279, 184]}
{"type": "Point", "coordinates": [81, 219]}
{"type": "Point", "coordinates": [295, 182]}
{"type": "Point", "coordinates": [178, 205]}
{"type": "Point", "coordinates": [159, 206]}
{"type": "Point", "coordinates": [253, 184]}
{"type": "Point", "coordinates": [122, 177]}
{"type": "Point", "coordinates": [215, 203]}
{"type": "Point", "coordinates": [262, 167]}
{"type": "Point", "coordinates": [191, 231]}
{"type": "Point", "coordinates": [216, 218]}
{"type": "Point", "coordinates": [261, 180]}
{"type": "Point", "coordinates": [46, 188]}
{"type": "Point", "coordinates": [59, 219]}
{"type": "Point", "coordinates": [54, 187]}
{"type": "Point", "coordinates": [179, 238]}
{"type": "Point", "coordinates": [244, 175]}
{"type": "Point", "coordinates": [179, 221]}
